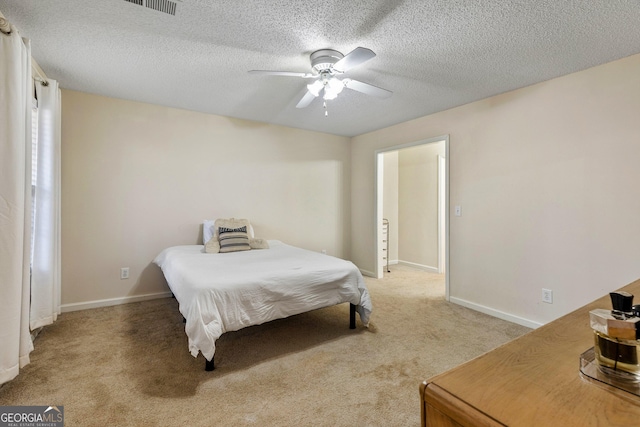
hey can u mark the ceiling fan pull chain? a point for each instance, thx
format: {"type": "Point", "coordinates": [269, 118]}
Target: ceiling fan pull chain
{"type": "Point", "coordinates": [324, 104]}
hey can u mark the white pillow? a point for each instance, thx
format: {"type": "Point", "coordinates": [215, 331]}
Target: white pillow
{"type": "Point", "coordinates": [258, 243]}
{"type": "Point", "coordinates": [208, 230]}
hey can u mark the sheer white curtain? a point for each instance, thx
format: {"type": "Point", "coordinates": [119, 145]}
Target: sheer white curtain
{"type": "Point", "coordinates": [15, 203]}
{"type": "Point", "coordinates": [45, 269]}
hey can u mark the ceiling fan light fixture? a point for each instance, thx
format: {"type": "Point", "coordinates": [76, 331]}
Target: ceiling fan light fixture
{"type": "Point", "coordinates": [332, 88]}
{"type": "Point", "coordinates": [328, 95]}
{"type": "Point", "coordinates": [315, 88]}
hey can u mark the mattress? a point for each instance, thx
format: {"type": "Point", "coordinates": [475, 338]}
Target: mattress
{"type": "Point", "coordinates": [219, 293]}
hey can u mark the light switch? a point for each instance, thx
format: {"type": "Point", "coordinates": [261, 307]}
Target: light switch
{"type": "Point", "coordinates": [458, 211]}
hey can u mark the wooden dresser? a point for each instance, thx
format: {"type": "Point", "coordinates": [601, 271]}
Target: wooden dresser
{"type": "Point", "coordinates": [532, 381]}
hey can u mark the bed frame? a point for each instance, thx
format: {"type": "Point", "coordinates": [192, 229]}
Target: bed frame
{"type": "Point", "coordinates": [209, 365]}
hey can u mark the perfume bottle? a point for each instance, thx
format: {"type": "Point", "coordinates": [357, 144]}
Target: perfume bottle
{"type": "Point", "coordinates": [616, 335]}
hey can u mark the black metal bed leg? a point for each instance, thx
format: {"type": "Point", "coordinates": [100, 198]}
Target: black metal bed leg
{"type": "Point", "coordinates": [352, 316]}
{"type": "Point", "coordinates": [209, 366]}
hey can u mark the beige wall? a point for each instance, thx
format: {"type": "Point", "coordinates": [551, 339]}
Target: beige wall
{"type": "Point", "coordinates": [418, 204]}
{"type": "Point", "coordinates": [137, 178]}
{"type": "Point", "coordinates": [547, 177]}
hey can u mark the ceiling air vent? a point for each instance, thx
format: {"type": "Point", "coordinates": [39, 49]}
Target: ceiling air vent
{"type": "Point", "coordinates": [166, 6]}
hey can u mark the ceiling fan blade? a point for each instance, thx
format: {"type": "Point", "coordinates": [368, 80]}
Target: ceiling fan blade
{"type": "Point", "coordinates": [366, 88]}
{"type": "Point", "coordinates": [354, 58]}
{"type": "Point", "coordinates": [284, 73]}
{"type": "Point", "coordinates": [306, 100]}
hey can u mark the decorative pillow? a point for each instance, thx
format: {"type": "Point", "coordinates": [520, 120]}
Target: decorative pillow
{"type": "Point", "coordinates": [208, 227]}
{"type": "Point", "coordinates": [212, 246]}
{"type": "Point", "coordinates": [233, 239]}
{"type": "Point", "coordinates": [258, 244]}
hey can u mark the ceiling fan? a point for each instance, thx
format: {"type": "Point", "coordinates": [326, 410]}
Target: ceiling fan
{"type": "Point", "coordinates": [326, 66]}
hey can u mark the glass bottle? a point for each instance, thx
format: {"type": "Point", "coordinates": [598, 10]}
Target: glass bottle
{"type": "Point", "coordinates": [616, 334]}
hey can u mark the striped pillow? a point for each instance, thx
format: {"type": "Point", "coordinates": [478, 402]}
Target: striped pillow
{"type": "Point", "coordinates": [233, 239]}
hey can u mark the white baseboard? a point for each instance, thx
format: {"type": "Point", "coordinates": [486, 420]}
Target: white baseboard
{"type": "Point", "coordinates": [496, 313]}
{"type": "Point", "coordinates": [65, 308]}
{"type": "Point", "coordinates": [368, 273]}
{"type": "Point", "coordinates": [399, 262]}
{"type": "Point", "coordinates": [418, 266]}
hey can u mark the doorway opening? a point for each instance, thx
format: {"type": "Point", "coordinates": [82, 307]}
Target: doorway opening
{"type": "Point", "coordinates": [412, 207]}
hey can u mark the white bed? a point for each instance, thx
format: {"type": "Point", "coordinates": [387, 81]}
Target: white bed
{"type": "Point", "coordinates": [224, 292]}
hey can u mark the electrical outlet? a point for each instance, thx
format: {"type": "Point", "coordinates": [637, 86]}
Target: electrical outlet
{"type": "Point", "coordinates": [547, 296]}
{"type": "Point", "coordinates": [124, 273]}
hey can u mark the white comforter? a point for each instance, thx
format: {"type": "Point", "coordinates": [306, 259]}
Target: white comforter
{"type": "Point", "coordinates": [225, 292]}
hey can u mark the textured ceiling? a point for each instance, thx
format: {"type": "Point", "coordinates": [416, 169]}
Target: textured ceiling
{"type": "Point", "coordinates": [433, 54]}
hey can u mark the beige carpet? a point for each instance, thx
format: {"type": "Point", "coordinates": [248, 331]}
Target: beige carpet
{"type": "Point", "coordinates": [129, 366]}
